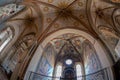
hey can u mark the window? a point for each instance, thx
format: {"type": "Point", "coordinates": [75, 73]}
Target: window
{"type": "Point", "coordinates": [79, 72]}
{"type": "Point", "coordinates": [5, 37]}
{"type": "Point", "coordinates": [58, 72]}
{"type": "Point", "coordinates": [68, 61]}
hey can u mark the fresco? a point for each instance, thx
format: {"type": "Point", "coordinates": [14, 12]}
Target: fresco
{"type": "Point", "coordinates": [44, 68]}
{"type": "Point", "coordinates": [9, 10]}
{"type": "Point", "coordinates": [50, 54]}
{"type": "Point", "coordinates": [109, 36]}
{"type": "Point", "coordinates": [77, 42]}
{"type": "Point", "coordinates": [113, 41]}
{"type": "Point", "coordinates": [58, 43]}
{"type": "Point", "coordinates": [46, 63]}
{"type": "Point", "coordinates": [61, 40]}
{"type": "Point", "coordinates": [92, 62]}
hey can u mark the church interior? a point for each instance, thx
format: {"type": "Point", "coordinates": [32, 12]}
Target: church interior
{"type": "Point", "coordinates": [59, 39]}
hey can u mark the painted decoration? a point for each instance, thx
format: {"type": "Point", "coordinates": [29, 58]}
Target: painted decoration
{"type": "Point", "coordinates": [77, 42]}
{"type": "Point", "coordinates": [44, 68]}
{"type": "Point", "coordinates": [9, 10]}
{"type": "Point", "coordinates": [45, 65]}
{"type": "Point", "coordinates": [92, 62]}
{"type": "Point", "coordinates": [117, 48]}
{"type": "Point", "coordinates": [116, 1]}
{"type": "Point", "coordinates": [110, 36]}
{"type": "Point", "coordinates": [50, 54]}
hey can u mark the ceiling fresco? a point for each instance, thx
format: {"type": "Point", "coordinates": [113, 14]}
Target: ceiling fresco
{"type": "Point", "coordinates": [45, 17]}
{"type": "Point", "coordinates": [53, 15]}
{"type": "Point", "coordinates": [69, 46]}
{"type": "Point", "coordinates": [98, 18]}
{"type": "Point", "coordinates": [101, 15]}
{"type": "Point", "coordinates": [9, 10]}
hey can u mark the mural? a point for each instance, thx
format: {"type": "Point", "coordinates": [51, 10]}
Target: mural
{"type": "Point", "coordinates": [9, 10]}
{"type": "Point", "coordinates": [112, 39]}
{"type": "Point", "coordinates": [100, 75]}
{"type": "Point", "coordinates": [46, 63]}
{"type": "Point", "coordinates": [92, 62]}
{"type": "Point", "coordinates": [58, 43]}
{"type": "Point", "coordinates": [110, 36]}
{"type": "Point", "coordinates": [18, 52]}
{"type": "Point", "coordinates": [77, 42]}
{"type": "Point", "coordinates": [50, 54]}
{"type": "Point", "coordinates": [44, 68]}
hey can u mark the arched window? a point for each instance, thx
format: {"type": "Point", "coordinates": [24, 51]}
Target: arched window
{"type": "Point", "coordinates": [58, 72]}
{"type": "Point", "coordinates": [68, 61]}
{"type": "Point", "coordinates": [5, 37]}
{"type": "Point", "coordinates": [79, 72]}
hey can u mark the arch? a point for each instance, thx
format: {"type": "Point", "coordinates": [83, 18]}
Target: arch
{"type": "Point", "coordinates": [100, 51]}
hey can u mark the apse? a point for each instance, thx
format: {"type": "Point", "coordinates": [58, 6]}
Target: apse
{"type": "Point", "coordinates": [68, 56]}
{"type": "Point", "coordinates": [60, 39]}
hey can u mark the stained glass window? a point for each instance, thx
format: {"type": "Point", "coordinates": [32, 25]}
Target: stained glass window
{"type": "Point", "coordinates": [58, 72]}
{"type": "Point", "coordinates": [79, 72]}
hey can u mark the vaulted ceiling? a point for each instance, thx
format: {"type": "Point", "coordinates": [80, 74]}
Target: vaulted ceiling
{"type": "Point", "coordinates": [47, 16]}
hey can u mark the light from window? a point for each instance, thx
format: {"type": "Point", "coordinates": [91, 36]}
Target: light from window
{"type": "Point", "coordinates": [79, 72]}
{"type": "Point", "coordinates": [5, 37]}
{"type": "Point", "coordinates": [58, 72]}
{"type": "Point", "coordinates": [68, 61]}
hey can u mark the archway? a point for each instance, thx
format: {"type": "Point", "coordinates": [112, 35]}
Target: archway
{"type": "Point", "coordinates": [96, 44]}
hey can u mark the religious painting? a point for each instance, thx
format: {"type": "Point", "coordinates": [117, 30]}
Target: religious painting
{"type": "Point", "coordinates": [57, 43]}
{"type": "Point", "coordinates": [110, 36]}
{"type": "Point", "coordinates": [9, 10]}
{"type": "Point", "coordinates": [46, 63]}
{"type": "Point", "coordinates": [50, 54]}
{"type": "Point", "coordinates": [44, 69]}
{"type": "Point", "coordinates": [77, 42]}
{"type": "Point", "coordinates": [92, 62]}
